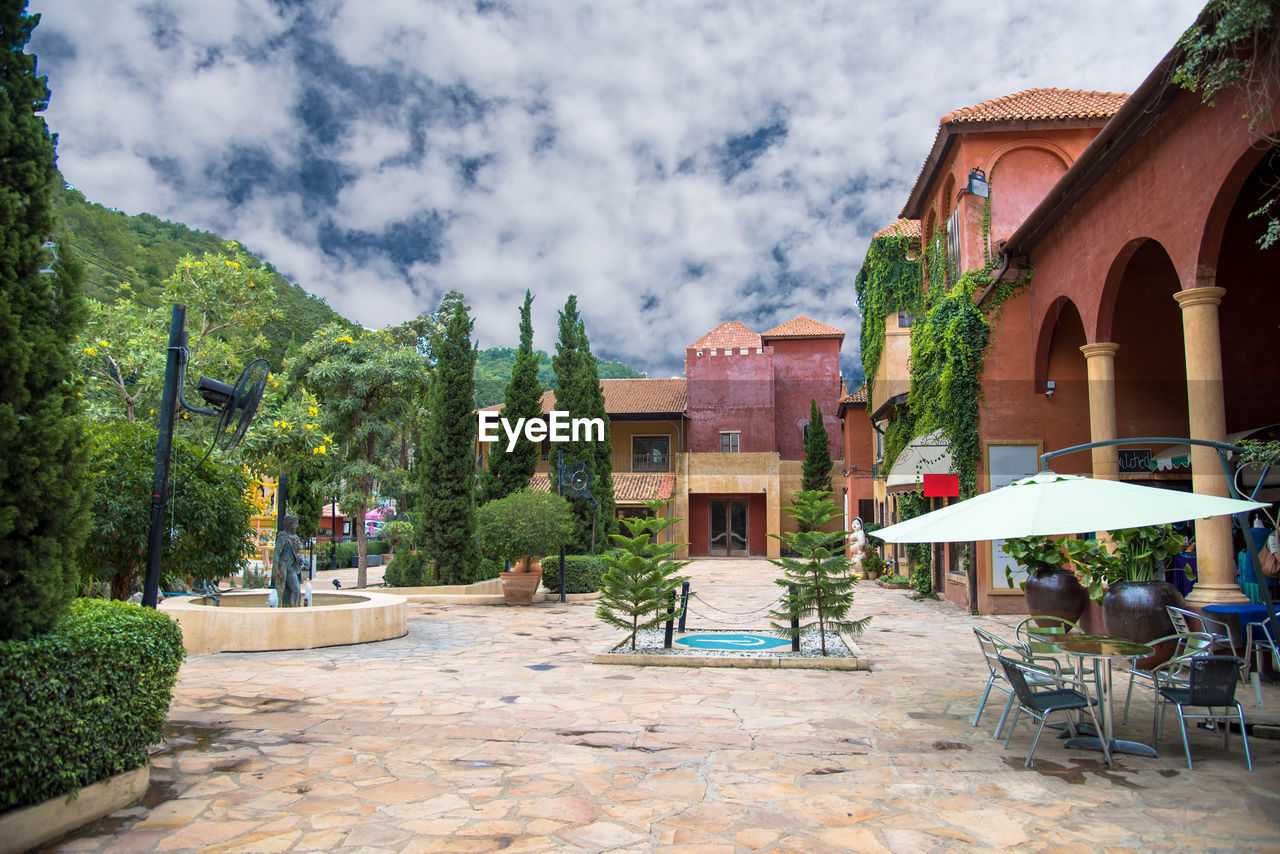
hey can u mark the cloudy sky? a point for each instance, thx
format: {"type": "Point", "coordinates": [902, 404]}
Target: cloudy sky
{"type": "Point", "coordinates": [675, 163]}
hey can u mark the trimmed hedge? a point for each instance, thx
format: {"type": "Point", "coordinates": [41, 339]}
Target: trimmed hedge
{"type": "Point", "coordinates": [582, 573]}
{"type": "Point", "coordinates": [409, 569]}
{"type": "Point", "coordinates": [489, 567]}
{"type": "Point", "coordinates": [83, 701]}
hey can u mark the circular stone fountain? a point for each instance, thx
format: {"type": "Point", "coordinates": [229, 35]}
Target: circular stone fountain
{"type": "Point", "coordinates": [242, 622]}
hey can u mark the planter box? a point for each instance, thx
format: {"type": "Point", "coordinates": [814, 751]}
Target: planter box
{"type": "Point", "coordinates": [29, 827]}
{"type": "Point", "coordinates": [370, 560]}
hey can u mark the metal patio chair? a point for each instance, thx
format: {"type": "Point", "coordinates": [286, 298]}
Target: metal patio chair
{"type": "Point", "coordinates": [1187, 644]}
{"type": "Point", "coordinates": [1211, 684]}
{"type": "Point", "coordinates": [992, 649]}
{"type": "Point", "coordinates": [1064, 695]}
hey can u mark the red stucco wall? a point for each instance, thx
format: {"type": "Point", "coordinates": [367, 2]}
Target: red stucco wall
{"type": "Point", "coordinates": [730, 392]}
{"type": "Point", "coordinates": [805, 369]}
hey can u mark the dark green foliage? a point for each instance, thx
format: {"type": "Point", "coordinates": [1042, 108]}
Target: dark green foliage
{"type": "Point", "coordinates": [210, 510]}
{"type": "Point", "coordinates": [306, 498]}
{"type": "Point", "coordinates": [399, 533]}
{"type": "Point", "coordinates": [636, 588]}
{"type": "Point", "coordinates": [409, 569]}
{"type": "Point", "coordinates": [489, 567]}
{"type": "Point", "coordinates": [143, 251]}
{"type": "Point", "coordinates": [578, 392]}
{"type": "Point", "coordinates": [889, 281]}
{"type": "Point", "coordinates": [43, 518]}
{"type": "Point", "coordinates": [494, 366]}
{"type": "Point", "coordinates": [582, 573]}
{"type": "Point", "coordinates": [83, 701]}
{"type": "Point", "coordinates": [511, 470]}
{"type": "Point", "coordinates": [346, 551]}
{"type": "Point", "coordinates": [1035, 554]}
{"type": "Point", "coordinates": [445, 472]}
{"type": "Point", "coordinates": [527, 523]}
{"type": "Point", "coordinates": [817, 453]}
{"type": "Point", "coordinates": [819, 582]}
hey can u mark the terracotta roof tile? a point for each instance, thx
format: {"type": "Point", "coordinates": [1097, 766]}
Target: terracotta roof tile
{"type": "Point", "coordinates": [803, 327]}
{"type": "Point", "coordinates": [1041, 105]}
{"type": "Point", "coordinates": [729, 335]}
{"type": "Point", "coordinates": [635, 396]}
{"type": "Point", "coordinates": [904, 227]}
{"type": "Point", "coordinates": [627, 488]}
{"type": "Point", "coordinates": [859, 396]}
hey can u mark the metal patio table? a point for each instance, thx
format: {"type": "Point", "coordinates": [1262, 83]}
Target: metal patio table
{"type": "Point", "coordinates": [1103, 649]}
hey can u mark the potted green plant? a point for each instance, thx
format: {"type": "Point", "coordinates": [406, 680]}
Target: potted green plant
{"type": "Point", "coordinates": [1126, 576]}
{"type": "Point", "coordinates": [1051, 587]}
{"type": "Point", "coordinates": [521, 528]}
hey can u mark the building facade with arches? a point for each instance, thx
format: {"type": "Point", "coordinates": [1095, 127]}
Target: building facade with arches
{"type": "Point", "coordinates": [1151, 310]}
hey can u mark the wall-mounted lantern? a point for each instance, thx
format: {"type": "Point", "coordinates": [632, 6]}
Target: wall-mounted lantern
{"type": "Point", "coordinates": [978, 183]}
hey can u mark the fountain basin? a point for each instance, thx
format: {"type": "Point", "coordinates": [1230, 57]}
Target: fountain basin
{"type": "Point", "coordinates": [242, 622]}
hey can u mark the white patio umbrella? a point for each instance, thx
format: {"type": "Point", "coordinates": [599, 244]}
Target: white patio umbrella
{"type": "Point", "coordinates": [1049, 503]}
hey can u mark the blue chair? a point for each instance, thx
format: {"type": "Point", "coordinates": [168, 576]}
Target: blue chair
{"type": "Point", "coordinates": [1211, 684]}
{"type": "Point", "coordinates": [1066, 695]}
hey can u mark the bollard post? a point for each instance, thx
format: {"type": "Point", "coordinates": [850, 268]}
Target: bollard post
{"type": "Point", "coordinates": [795, 619]}
{"type": "Point", "coordinates": [671, 610]}
{"type": "Point", "coordinates": [684, 605]}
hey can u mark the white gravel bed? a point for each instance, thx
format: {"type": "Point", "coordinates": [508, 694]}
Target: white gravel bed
{"type": "Point", "coordinates": [649, 642]}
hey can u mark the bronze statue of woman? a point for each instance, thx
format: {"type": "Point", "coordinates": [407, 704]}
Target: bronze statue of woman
{"type": "Point", "coordinates": [287, 573]}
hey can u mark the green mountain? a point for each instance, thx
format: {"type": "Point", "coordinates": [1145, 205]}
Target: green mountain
{"type": "Point", "coordinates": [493, 370]}
{"type": "Point", "coordinates": [143, 250]}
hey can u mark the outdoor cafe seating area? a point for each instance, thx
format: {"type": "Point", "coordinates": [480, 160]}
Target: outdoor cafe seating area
{"type": "Point", "coordinates": [1061, 678]}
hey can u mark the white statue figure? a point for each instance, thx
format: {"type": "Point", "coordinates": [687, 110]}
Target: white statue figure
{"type": "Point", "coordinates": [857, 543]}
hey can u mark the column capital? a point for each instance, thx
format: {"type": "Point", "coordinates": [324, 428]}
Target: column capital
{"type": "Point", "coordinates": [1101, 348]}
{"type": "Point", "coordinates": [1200, 296]}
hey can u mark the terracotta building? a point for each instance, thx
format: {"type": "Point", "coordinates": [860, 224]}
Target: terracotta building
{"type": "Point", "coordinates": [725, 442]}
{"type": "Point", "coordinates": [1151, 310]}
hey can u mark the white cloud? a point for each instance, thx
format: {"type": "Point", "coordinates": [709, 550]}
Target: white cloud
{"type": "Point", "coordinates": [593, 161]}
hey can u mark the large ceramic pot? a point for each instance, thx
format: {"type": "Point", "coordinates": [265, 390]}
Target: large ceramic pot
{"type": "Point", "coordinates": [1056, 593]}
{"type": "Point", "coordinates": [1136, 610]}
{"type": "Point", "coordinates": [519, 585]}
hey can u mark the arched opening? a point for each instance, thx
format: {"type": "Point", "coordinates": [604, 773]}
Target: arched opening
{"type": "Point", "coordinates": [1060, 362]}
{"type": "Point", "coordinates": [1151, 373]}
{"type": "Point", "coordinates": [1248, 318]}
{"type": "Point", "coordinates": [1020, 180]}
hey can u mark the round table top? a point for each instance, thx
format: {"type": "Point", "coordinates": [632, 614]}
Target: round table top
{"type": "Point", "coordinates": [1096, 646]}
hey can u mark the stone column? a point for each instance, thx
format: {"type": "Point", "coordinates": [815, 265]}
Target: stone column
{"type": "Point", "coordinates": [1215, 562]}
{"type": "Point", "coordinates": [1101, 359]}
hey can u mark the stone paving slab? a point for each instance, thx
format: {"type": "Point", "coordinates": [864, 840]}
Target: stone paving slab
{"type": "Point", "coordinates": [489, 728]}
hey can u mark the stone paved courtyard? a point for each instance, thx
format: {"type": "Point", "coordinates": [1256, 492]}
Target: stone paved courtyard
{"type": "Point", "coordinates": [487, 728]}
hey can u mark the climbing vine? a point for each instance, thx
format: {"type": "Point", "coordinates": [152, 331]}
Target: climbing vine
{"type": "Point", "coordinates": [889, 281]}
{"type": "Point", "coordinates": [1235, 44]}
{"type": "Point", "coordinates": [919, 555]}
{"type": "Point", "coordinates": [949, 338]}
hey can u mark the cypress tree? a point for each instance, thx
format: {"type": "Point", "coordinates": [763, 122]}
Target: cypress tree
{"type": "Point", "coordinates": [44, 517]}
{"type": "Point", "coordinates": [817, 453]}
{"type": "Point", "coordinates": [511, 470]}
{"type": "Point", "coordinates": [578, 392]}
{"type": "Point", "coordinates": [445, 472]}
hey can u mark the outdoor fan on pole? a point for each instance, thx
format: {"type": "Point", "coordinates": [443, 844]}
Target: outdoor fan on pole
{"type": "Point", "coordinates": [234, 408]}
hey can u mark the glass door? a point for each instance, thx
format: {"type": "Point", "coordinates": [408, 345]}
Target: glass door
{"type": "Point", "coordinates": [728, 527]}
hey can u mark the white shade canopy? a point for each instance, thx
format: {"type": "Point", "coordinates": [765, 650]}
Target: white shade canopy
{"type": "Point", "coordinates": [1049, 504]}
{"type": "Point", "coordinates": [928, 454]}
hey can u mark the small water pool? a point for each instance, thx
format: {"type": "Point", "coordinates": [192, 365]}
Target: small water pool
{"type": "Point", "coordinates": [733, 641]}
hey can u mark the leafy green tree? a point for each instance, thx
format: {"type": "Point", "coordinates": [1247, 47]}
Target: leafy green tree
{"type": "Point", "coordinates": [636, 588]}
{"type": "Point", "coordinates": [819, 583]}
{"type": "Point", "coordinates": [209, 511]}
{"type": "Point", "coordinates": [43, 518]}
{"type": "Point", "coordinates": [511, 470]}
{"type": "Point", "coordinates": [445, 473]}
{"type": "Point", "coordinates": [578, 392]}
{"type": "Point", "coordinates": [367, 385]}
{"type": "Point", "coordinates": [817, 453]}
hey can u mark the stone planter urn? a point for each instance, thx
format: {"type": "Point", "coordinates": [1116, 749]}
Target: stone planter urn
{"type": "Point", "coordinates": [1136, 610]}
{"type": "Point", "coordinates": [519, 585]}
{"type": "Point", "coordinates": [1056, 593]}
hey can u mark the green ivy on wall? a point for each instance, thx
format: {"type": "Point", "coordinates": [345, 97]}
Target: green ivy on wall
{"type": "Point", "coordinates": [889, 281]}
{"type": "Point", "coordinates": [949, 338]}
{"type": "Point", "coordinates": [919, 555]}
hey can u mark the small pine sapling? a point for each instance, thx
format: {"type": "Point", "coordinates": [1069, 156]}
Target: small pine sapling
{"type": "Point", "coordinates": [637, 585]}
{"type": "Point", "coordinates": [820, 582]}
